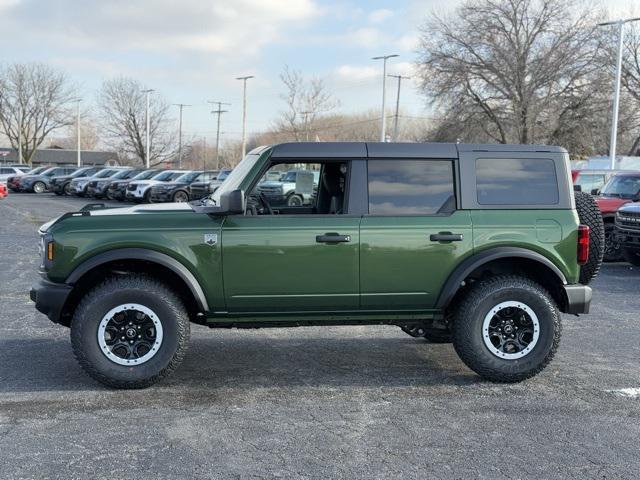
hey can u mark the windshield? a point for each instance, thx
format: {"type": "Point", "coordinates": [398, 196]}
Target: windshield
{"type": "Point", "coordinates": [48, 172]}
{"type": "Point", "coordinates": [145, 174]}
{"type": "Point", "coordinates": [188, 177]}
{"type": "Point", "coordinates": [623, 186]}
{"type": "Point", "coordinates": [223, 175]}
{"type": "Point", "coordinates": [235, 178]}
{"type": "Point", "coordinates": [104, 173]}
{"type": "Point", "coordinates": [81, 172]}
{"type": "Point", "coordinates": [164, 175]}
{"type": "Point", "coordinates": [288, 177]}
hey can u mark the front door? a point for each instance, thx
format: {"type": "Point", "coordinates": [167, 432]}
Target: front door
{"type": "Point", "coordinates": [413, 235]}
{"type": "Point", "coordinates": [298, 251]}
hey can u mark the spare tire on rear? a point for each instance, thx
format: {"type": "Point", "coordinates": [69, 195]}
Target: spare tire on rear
{"type": "Point", "coordinates": [589, 215]}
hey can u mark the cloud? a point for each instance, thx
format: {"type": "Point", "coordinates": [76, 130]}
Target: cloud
{"type": "Point", "coordinates": [232, 27]}
{"type": "Point", "coordinates": [357, 72]}
{"type": "Point", "coordinates": [380, 15]}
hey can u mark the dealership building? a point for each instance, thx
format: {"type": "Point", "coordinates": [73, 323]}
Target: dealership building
{"type": "Point", "coordinates": [60, 156]}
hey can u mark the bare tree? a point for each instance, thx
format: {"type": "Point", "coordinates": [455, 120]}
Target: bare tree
{"type": "Point", "coordinates": [34, 102]}
{"type": "Point", "coordinates": [89, 138]}
{"type": "Point", "coordinates": [505, 65]}
{"type": "Point", "coordinates": [305, 100]}
{"type": "Point", "coordinates": [630, 80]}
{"type": "Point", "coordinates": [122, 104]}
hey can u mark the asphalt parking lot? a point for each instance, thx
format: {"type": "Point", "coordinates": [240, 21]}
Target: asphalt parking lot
{"type": "Point", "coordinates": [339, 402]}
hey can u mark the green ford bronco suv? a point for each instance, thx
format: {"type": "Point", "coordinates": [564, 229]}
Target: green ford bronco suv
{"type": "Point", "coordinates": [481, 245]}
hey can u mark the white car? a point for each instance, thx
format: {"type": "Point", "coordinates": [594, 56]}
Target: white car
{"type": "Point", "coordinates": [140, 190]}
{"type": "Point", "coordinates": [6, 172]}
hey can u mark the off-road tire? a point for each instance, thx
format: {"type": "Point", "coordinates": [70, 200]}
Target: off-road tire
{"type": "Point", "coordinates": [114, 291]}
{"type": "Point", "coordinates": [468, 333]}
{"type": "Point", "coordinates": [589, 214]}
{"type": "Point", "coordinates": [631, 256]}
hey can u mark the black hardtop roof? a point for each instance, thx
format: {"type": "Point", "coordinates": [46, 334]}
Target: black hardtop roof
{"type": "Point", "coordinates": [395, 150]}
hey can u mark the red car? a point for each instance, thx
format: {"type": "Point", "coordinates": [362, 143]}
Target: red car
{"type": "Point", "coordinates": [621, 188]}
{"type": "Point", "coordinates": [3, 190]}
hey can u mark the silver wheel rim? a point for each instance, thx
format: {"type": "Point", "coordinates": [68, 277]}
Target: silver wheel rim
{"type": "Point", "coordinates": [294, 201]}
{"type": "Point", "coordinates": [180, 197]}
{"type": "Point", "coordinates": [124, 334]}
{"type": "Point", "coordinates": [511, 330]}
{"type": "Point", "coordinates": [38, 187]}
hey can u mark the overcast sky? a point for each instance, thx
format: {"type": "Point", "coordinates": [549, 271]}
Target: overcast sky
{"type": "Point", "coordinates": [190, 51]}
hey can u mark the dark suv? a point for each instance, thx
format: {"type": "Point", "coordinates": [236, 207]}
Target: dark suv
{"type": "Point", "coordinates": [482, 245]}
{"type": "Point", "coordinates": [41, 182]}
{"type": "Point", "coordinates": [118, 188]}
{"type": "Point", "coordinates": [178, 190]}
{"type": "Point", "coordinates": [62, 185]}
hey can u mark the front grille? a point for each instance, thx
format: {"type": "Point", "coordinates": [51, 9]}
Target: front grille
{"type": "Point", "coordinates": [628, 220]}
{"type": "Point", "coordinates": [270, 190]}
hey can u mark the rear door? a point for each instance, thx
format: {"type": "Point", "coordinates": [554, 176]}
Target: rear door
{"type": "Point", "coordinates": [413, 235]}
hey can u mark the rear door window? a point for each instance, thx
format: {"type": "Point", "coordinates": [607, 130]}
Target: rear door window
{"type": "Point", "coordinates": [516, 181]}
{"type": "Point", "coordinates": [410, 187]}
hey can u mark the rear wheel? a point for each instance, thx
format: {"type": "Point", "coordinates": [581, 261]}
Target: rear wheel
{"type": "Point", "coordinates": [589, 214]}
{"type": "Point", "coordinates": [67, 189]}
{"type": "Point", "coordinates": [39, 187]}
{"type": "Point", "coordinates": [294, 200]}
{"type": "Point", "coordinates": [506, 328]}
{"type": "Point", "coordinates": [130, 332]}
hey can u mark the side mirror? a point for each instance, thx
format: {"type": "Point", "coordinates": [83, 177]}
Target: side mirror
{"type": "Point", "coordinates": [595, 191]}
{"type": "Point", "coordinates": [577, 188]}
{"type": "Point", "coordinates": [232, 202]}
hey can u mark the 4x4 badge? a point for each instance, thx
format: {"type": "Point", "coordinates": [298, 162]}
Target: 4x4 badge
{"type": "Point", "coordinates": [211, 239]}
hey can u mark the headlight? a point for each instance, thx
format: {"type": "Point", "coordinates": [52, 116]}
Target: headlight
{"type": "Point", "coordinates": [101, 184]}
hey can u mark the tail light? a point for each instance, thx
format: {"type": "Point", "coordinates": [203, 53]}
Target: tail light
{"type": "Point", "coordinates": [583, 244]}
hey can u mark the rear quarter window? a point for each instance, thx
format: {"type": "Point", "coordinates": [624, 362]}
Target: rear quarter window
{"type": "Point", "coordinates": [516, 181]}
{"type": "Point", "coordinates": [410, 187]}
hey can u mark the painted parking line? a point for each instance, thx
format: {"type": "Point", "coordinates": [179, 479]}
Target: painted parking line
{"type": "Point", "coordinates": [626, 392]}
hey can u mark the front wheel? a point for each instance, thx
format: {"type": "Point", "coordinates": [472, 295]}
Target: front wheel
{"type": "Point", "coordinates": [180, 197]}
{"type": "Point", "coordinates": [506, 328]}
{"type": "Point", "coordinates": [130, 332]}
{"type": "Point", "coordinates": [39, 187]}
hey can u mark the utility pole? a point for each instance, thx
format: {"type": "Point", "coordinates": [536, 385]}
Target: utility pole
{"type": "Point", "coordinates": [395, 118]}
{"type": "Point", "coordinates": [244, 112]}
{"type": "Point", "coordinates": [180, 106]}
{"type": "Point", "coordinates": [21, 119]}
{"type": "Point", "coordinates": [78, 100]}
{"type": "Point", "coordinates": [219, 112]}
{"type": "Point", "coordinates": [384, 58]}
{"type": "Point", "coordinates": [616, 88]}
{"type": "Point", "coordinates": [147, 118]}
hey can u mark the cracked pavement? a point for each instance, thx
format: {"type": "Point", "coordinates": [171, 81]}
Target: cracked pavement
{"type": "Point", "coordinates": [319, 402]}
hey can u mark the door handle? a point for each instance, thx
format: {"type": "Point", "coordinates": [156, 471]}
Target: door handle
{"type": "Point", "coordinates": [333, 238]}
{"type": "Point", "coordinates": [446, 237]}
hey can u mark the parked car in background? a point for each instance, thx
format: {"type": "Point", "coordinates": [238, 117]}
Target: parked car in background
{"type": "Point", "coordinates": [140, 190]}
{"type": "Point", "coordinates": [78, 186]}
{"type": "Point", "coordinates": [178, 190]}
{"type": "Point", "coordinates": [60, 185]}
{"type": "Point", "coordinates": [117, 189]}
{"type": "Point", "coordinates": [621, 188]}
{"type": "Point", "coordinates": [6, 172]}
{"type": "Point", "coordinates": [283, 191]}
{"type": "Point", "coordinates": [98, 188]}
{"type": "Point", "coordinates": [13, 182]}
{"type": "Point", "coordinates": [591, 180]}
{"type": "Point", "coordinates": [199, 190]}
{"type": "Point", "coordinates": [41, 182]}
{"type": "Point", "coordinates": [627, 232]}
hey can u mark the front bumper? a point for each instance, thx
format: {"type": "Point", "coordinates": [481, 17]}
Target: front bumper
{"type": "Point", "coordinates": [96, 192]}
{"type": "Point", "coordinates": [161, 195]}
{"type": "Point", "coordinates": [627, 238]}
{"type": "Point", "coordinates": [50, 298]}
{"type": "Point", "coordinates": [578, 298]}
{"type": "Point", "coordinates": [198, 193]}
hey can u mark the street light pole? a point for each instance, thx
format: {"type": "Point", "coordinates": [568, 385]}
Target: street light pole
{"type": "Point", "coordinates": [384, 58]}
{"type": "Point", "coordinates": [616, 88]}
{"type": "Point", "coordinates": [180, 106]}
{"type": "Point", "coordinates": [218, 112]}
{"type": "Point", "coordinates": [78, 100]}
{"type": "Point", "coordinates": [244, 112]}
{"type": "Point", "coordinates": [395, 118]}
{"type": "Point", "coordinates": [147, 129]}
{"type": "Point", "coordinates": [21, 119]}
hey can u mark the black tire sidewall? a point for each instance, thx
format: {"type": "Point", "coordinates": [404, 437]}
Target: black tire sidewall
{"type": "Point", "coordinates": [85, 335]}
{"type": "Point", "coordinates": [470, 336]}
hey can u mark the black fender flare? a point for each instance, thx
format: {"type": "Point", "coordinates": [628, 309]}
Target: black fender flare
{"type": "Point", "coordinates": [143, 254]}
{"type": "Point", "coordinates": [469, 264]}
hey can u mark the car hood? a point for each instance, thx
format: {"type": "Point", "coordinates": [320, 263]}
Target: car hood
{"type": "Point", "coordinates": [81, 179]}
{"type": "Point", "coordinates": [57, 178]}
{"type": "Point", "coordinates": [174, 184]}
{"type": "Point", "coordinates": [147, 182]}
{"type": "Point", "coordinates": [630, 207]}
{"type": "Point", "coordinates": [272, 183]}
{"type": "Point", "coordinates": [134, 210]}
{"type": "Point", "coordinates": [610, 204]}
